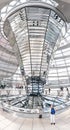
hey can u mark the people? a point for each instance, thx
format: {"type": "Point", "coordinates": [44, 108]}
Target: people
{"type": "Point", "coordinates": [40, 112]}
{"type": "Point", "coordinates": [49, 90]}
{"type": "Point", "coordinates": [67, 91]}
{"type": "Point", "coordinates": [52, 114]}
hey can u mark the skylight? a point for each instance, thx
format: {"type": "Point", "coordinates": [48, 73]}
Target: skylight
{"type": "Point", "coordinates": [51, 2]}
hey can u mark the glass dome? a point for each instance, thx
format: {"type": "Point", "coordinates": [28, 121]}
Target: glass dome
{"type": "Point", "coordinates": [35, 32]}
{"type": "Point", "coordinates": [33, 29]}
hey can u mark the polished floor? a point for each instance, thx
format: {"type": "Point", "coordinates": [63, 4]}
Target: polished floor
{"type": "Point", "coordinates": [12, 122]}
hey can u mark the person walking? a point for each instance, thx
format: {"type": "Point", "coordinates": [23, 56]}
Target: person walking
{"type": "Point", "coordinates": [52, 115]}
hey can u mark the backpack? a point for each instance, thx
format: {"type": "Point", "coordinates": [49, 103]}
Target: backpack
{"type": "Point", "coordinates": [52, 111]}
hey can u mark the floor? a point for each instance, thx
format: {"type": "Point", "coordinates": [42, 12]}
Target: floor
{"type": "Point", "coordinates": [12, 122]}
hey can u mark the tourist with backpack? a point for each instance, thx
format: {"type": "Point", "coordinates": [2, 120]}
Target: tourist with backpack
{"type": "Point", "coordinates": [52, 114]}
